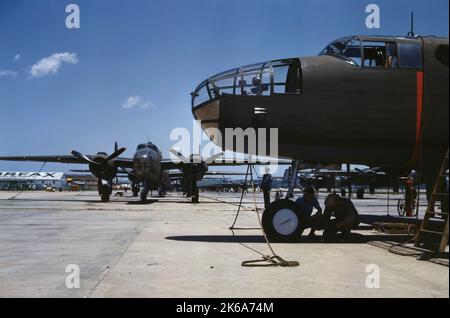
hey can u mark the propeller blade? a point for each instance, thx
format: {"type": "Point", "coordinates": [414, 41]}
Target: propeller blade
{"type": "Point", "coordinates": [116, 154]}
{"type": "Point", "coordinates": [214, 157]}
{"type": "Point", "coordinates": [83, 157]}
{"type": "Point", "coordinates": [116, 146]}
{"type": "Point", "coordinates": [179, 155]}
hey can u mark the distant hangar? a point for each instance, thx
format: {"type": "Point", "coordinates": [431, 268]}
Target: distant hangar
{"type": "Point", "coordinates": [32, 180]}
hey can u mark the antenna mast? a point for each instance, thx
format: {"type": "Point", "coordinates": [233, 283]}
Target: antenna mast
{"type": "Point", "coordinates": [411, 33]}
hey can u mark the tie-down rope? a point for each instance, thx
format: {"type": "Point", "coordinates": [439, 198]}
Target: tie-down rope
{"type": "Point", "coordinates": [266, 260]}
{"type": "Point", "coordinates": [23, 190]}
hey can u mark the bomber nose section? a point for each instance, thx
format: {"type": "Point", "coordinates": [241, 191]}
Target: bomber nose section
{"type": "Point", "coordinates": [144, 161]}
{"type": "Point", "coordinates": [238, 98]}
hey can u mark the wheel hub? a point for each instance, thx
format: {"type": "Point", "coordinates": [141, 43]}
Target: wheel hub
{"type": "Point", "coordinates": [285, 221]}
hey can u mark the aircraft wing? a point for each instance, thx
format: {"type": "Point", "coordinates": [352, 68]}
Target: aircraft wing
{"type": "Point", "coordinates": [119, 162]}
{"type": "Point", "coordinates": [232, 162]}
{"type": "Point", "coordinates": [88, 172]}
{"type": "Point", "coordinates": [60, 159]}
{"type": "Point", "coordinates": [124, 163]}
{"type": "Point", "coordinates": [169, 164]}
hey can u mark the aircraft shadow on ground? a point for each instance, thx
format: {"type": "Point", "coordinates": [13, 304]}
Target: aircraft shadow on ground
{"type": "Point", "coordinates": [54, 200]}
{"type": "Point", "coordinates": [366, 221]}
{"type": "Point", "coordinates": [356, 239]}
{"type": "Point", "coordinates": [137, 202]}
{"type": "Point", "coordinates": [370, 219]}
{"type": "Point", "coordinates": [150, 201]}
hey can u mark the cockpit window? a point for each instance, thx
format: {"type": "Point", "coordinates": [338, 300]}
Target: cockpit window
{"type": "Point", "coordinates": [380, 54]}
{"type": "Point", "coordinates": [263, 79]}
{"type": "Point", "coordinates": [410, 55]}
{"type": "Point", "coordinates": [147, 146]}
{"type": "Point", "coordinates": [153, 147]}
{"type": "Point", "coordinates": [348, 49]}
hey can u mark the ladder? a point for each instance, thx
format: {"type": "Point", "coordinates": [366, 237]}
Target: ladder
{"type": "Point", "coordinates": [433, 231]}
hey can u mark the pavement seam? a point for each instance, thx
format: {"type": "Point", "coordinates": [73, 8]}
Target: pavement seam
{"type": "Point", "coordinates": [106, 272]}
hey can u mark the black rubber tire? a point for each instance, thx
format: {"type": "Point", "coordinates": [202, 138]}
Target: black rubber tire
{"type": "Point", "coordinates": [195, 198]}
{"type": "Point", "coordinates": [105, 192]}
{"type": "Point", "coordinates": [401, 207]}
{"type": "Point", "coordinates": [360, 194]}
{"type": "Point", "coordinates": [267, 221]}
{"type": "Point", "coordinates": [143, 197]}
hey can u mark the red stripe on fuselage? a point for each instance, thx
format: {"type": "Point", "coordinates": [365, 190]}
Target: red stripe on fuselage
{"type": "Point", "coordinates": [419, 109]}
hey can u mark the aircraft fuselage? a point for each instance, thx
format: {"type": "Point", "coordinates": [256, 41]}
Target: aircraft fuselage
{"type": "Point", "coordinates": [363, 108]}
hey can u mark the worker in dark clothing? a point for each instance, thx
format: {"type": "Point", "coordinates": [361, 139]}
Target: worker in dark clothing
{"type": "Point", "coordinates": [266, 186]}
{"type": "Point", "coordinates": [345, 215]}
{"type": "Point", "coordinates": [307, 203]}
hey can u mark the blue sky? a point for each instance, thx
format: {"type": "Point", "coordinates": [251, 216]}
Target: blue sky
{"type": "Point", "coordinates": [153, 54]}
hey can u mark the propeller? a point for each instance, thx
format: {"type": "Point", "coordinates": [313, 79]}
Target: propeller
{"type": "Point", "coordinates": [214, 157]}
{"type": "Point", "coordinates": [83, 157]}
{"type": "Point", "coordinates": [117, 152]}
{"type": "Point", "coordinates": [179, 155]}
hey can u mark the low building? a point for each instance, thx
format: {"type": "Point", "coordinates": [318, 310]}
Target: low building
{"type": "Point", "coordinates": [32, 180]}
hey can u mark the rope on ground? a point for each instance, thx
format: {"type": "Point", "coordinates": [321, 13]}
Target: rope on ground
{"type": "Point", "coordinates": [22, 191]}
{"type": "Point", "coordinates": [266, 260]}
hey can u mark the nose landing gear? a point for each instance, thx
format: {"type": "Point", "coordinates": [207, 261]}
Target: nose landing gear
{"type": "Point", "coordinates": [105, 190]}
{"type": "Point", "coordinates": [144, 192]}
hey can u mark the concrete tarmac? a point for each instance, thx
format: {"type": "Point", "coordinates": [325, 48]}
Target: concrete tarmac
{"type": "Point", "coordinates": [172, 248]}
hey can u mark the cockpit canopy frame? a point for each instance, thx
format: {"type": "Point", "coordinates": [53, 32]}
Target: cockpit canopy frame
{"type": "Point", "coordinates": [377, 51]}
{"type": "Point", "coordinates": [148, 145]}
{"type": "Point", "coordinates": [262, 79]}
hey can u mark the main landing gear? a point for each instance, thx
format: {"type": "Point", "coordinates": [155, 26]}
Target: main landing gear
{"type": "Point", "coordinates": [195, 193]}
{"type": "Point", "coordinates": [283, 220]}
{"type": "Point", "coordinates": [105, 190]}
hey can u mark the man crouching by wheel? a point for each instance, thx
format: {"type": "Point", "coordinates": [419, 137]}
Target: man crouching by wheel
{"type": "Point", "coordinates": [345, 219]}
{"type": "Point", "coordinates": [307, 203]}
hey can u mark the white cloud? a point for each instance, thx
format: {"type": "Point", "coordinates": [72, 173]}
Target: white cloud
{"type": "Point", "coordinates": [51, 65]}
{"type": "Point", "coordinates": [136, 102]}
{"type": "Point", "coordinates": [16, 57]}
{"type": "Point", "coordinates": [8, 73]}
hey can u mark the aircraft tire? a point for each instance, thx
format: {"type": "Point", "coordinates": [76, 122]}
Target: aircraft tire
{"type": "Point", "coordinates": [360, 194]}
{"type": "Point", "coordinates": [144, 196]}
{"type": "Point", "coordinates": [105, 192]}
{"type": "Point", "coordinates": [283, 221]}
{"type": "Point", "coordinates": [105, 197]}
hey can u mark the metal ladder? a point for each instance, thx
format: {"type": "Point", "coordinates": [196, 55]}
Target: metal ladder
{"type": "Point", "coordinates": [433, 231]}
